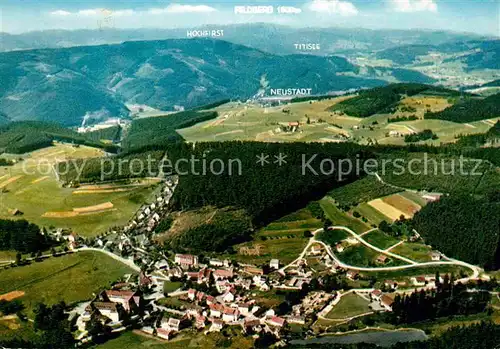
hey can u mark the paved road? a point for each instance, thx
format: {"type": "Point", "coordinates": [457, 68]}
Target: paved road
{"type": "Point", "coordinates": [475, 270]}
{"type": "Point", "coordinates": [375, 248]}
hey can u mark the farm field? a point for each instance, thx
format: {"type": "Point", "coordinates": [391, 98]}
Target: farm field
{"type": "Point", "coordinates": [380, 240]}
{"type": "Point", "coordinates": [35, 191]}
{"type": "Point", "coordinates": [283, 239]}
{"type": "Point", "coordinates": [334, 214]}
{"type": "Point", "coordinates": [373, 216]}
{"type": "Point", "coordinates": [239, 121]}
{"type": "Point", "coordinates": [403, 204]}
{"type": "Point", "coordinates": [349, 305]}
{"type": "Point", "coordinates": [71, 278]}
{"type": "Point", "coordinates": [387, 210]}
{"type": "Point", "coordinates": [252, 122]}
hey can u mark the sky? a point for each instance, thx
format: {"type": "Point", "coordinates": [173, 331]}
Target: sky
{"type": "Point", "coordinates": [476, 16]}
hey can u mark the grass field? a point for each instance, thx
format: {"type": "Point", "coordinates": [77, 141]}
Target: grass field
{"type": "Point", "coordinates": [349, 305]}
{"type": "Point", "coordinates": [34, 190]}
{"type": "Point", "coordinates": [358, 255]}
{"type": "Point", "coordinates": [238, 121]}
{"type": "Point", "coordinates": [406, 274]}
{"type": "Point", "coordinates": [134, 340]}
{"type": "Point", "coordinates": [341, 218]}
{"type": "Point", "coordinates": [171, 286]}
{"type": "Point", "coordinates": [415, 251]}
{"type": "Point", "coordinates": [71, 278]}
{"type": "Point", "coordinates": [380, 240]}
{"type": "Point", "coordinates": [283, 239]}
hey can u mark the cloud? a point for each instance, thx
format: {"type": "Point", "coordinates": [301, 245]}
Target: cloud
{"type": "Point", "coordinates": [95, 12]}
{"type": "Point", "coordinates": [344, 8]}
{"type": "Point", "coordinates": [178, 8]}
{"type": "Point", "coordinates": [60, 13]}
{"type": "Point", "coordinates": [414, 5]}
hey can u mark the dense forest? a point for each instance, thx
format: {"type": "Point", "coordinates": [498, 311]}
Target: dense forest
{"type": "Point", "coordinates": [153, 131]}
{"type": "Point", "coordinates": [25, 136]}
{"type": "Point", "coordinates": [471, 109]}
{"type": "Point", "coordinates": [463, 227]}
{"type": "Point", "coordinates": [112, 133]}
{"type": "Point", "coordinates": [362, 190]}
{"type": "Point", "coordinates": [271, 190]}
{"type": "Point", "coordinates": [378, 99]}
{"type": "Point", "coordinates": [226, 228]}
{"type": "Point", "coordinates": [446, 299]}
{"type": "Point", "coordinates": [477, 140]}
{"type": "Point", "coordinates": [22, 236]}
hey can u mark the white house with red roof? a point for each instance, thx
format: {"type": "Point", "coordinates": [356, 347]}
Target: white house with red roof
{"type": "Point", "coordinates": [230, 314]}
{"type": "Point", "coordinates": [186, 260]}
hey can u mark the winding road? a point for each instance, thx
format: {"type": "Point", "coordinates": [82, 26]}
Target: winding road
{"type": "Point", "coordinates": [476, 271]}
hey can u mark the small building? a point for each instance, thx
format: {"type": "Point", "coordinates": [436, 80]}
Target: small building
{"type": "Point", "coordinates": [254, 270]}
{"type": "Point", "coordinates": [217, 325]}
{"type": "Point", "coordinates": [174, 324]}
{"type": "Point", "coordinates": [216, 262]}
{"type": "Point", "coordinates": [244, 308]}
{"type": "Point", "coordinates": [435, 256]}
{"type": "Point", "coordinates": [382, 258]}
{"type": "Point", "coordinates": [191, 294]}
{"type": "Point", "coordinates": [386, 302]}
{"type": "Point", "coordinates": [418, 280]}
{"type": "Point", "coordinates": [376, 294]}
{"type": "Point", "coordinates": [164, 333]}
{"type": "Point", "coordinates": [274, 264]}
{"type": "Point", "coordinates": [391, 284]}
{"type": "Point", "coordinates": [352, 275]}
{"type": "Point", "coordinates": [186, 260]}
{"type": "Point", "coordinates": [230, 314]}
{"type": "Point", "coordinates": [216, 310]}
{"type": "Point", "coordinates": [339, 247]}
{"type": "Point", "coordinates": [228, 296]}
{"type": "Point", "coordinates": [221, 274]}
{"type": "Point", "coordinates": [200, 321]}
{"type": "Point", "coordinates": [276, 321]}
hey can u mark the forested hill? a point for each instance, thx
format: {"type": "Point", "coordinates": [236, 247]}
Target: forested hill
{"type": "Point", "coordinates": [470, 110]}
{"type": "Point", "coordinates": [63, 85]}
{"type": "Point", "coordinates": [464, 227]}
{"type": "Point", "coordinates": [381, 99]}
{"type": "Point", "coordinates": [25, 136]}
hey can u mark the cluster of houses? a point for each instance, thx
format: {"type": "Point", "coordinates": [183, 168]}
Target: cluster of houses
{"type": "Point", "coordinates": [112, 308]}
{"type": "Point", "coordinates": [149, 215]}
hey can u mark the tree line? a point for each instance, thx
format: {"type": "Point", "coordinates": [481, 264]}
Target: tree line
{"type": "Point", "coordinates": [446, 299]}
{"type": "Point", "coordinates": [22, 236]}
{"type": "Point", "coordinates": [464, 227]}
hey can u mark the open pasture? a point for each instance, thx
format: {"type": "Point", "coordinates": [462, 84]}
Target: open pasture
{"type": "Point", "coordinates": [71, 278]}
{"type": "Point", "coordinates": [30, 188]}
